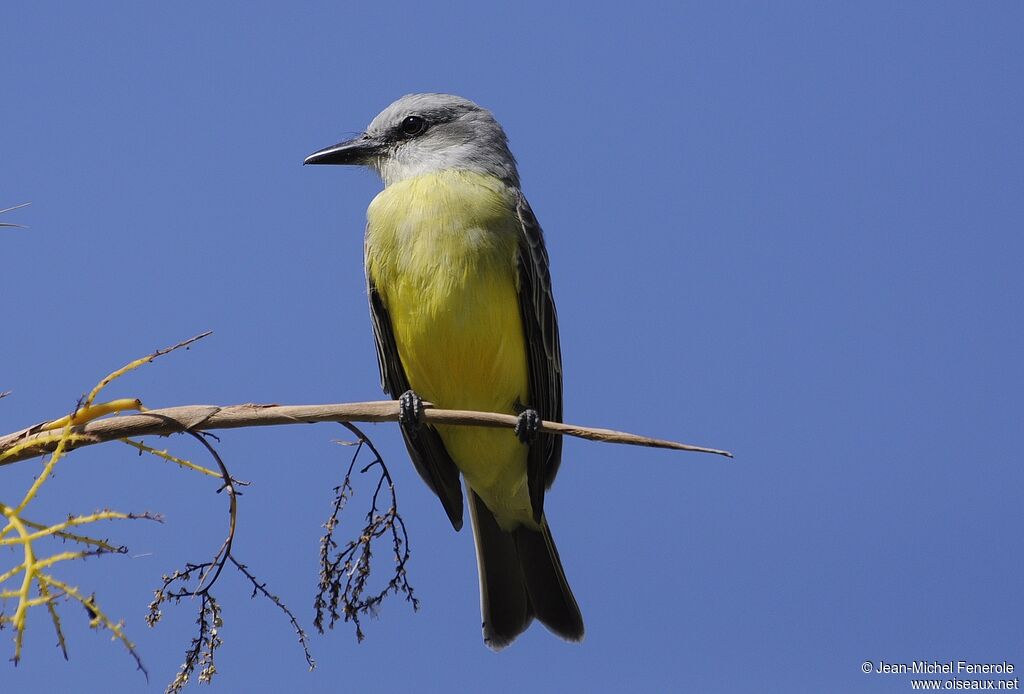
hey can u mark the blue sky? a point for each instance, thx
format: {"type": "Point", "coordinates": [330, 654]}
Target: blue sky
{"type": "Point", "coordinates": [793, 231]}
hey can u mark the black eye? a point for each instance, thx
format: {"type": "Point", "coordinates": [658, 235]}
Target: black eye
{"type": "Point", "coordinates": [413, 125]}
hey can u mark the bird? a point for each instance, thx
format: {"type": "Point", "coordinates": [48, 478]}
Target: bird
{"type": "Point", "coordinates": [463, 317]}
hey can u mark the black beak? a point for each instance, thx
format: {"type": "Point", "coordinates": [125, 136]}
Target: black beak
{"type": "Point", "coordinates": [355, 151]}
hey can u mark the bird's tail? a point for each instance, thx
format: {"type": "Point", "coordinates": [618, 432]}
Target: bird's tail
{"type": "Point", "coordinates": [521, 577]}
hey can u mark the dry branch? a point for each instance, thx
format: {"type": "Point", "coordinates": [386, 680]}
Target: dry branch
{"type": "Point", "coordinates": [345, 567]}
{"type": "Point", "coordinates": [35, 441]}
{"type": "Point", "coordinates": [11, 209]}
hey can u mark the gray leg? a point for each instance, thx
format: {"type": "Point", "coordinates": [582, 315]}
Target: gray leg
{"type": "Point", "coordinates": [410, 411]}
{"type": "Point", "coordinates": [527, 425]}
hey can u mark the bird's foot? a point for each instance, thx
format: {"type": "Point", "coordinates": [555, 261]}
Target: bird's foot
{"type": "Point", "coordinates": [410, 411]}
{"type": "Point", "coordinates": [527, 425]}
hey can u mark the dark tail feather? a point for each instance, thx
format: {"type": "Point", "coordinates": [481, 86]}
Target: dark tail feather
{"type": "Point", "coordinates": [504, 603]}
{"type": "Point", "coordinates": [550, 594]}
{"type": "Point", "coordinates": [520, 576]}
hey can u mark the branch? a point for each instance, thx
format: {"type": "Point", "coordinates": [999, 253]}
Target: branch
{"type": "Point", "coordinates": [345, 572]}
{"type": "Point", "coordinates": [11, 209]}
{"type": "Point", "coordinates": [40, 439]}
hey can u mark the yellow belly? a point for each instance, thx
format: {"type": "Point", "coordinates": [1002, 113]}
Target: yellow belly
{"type": "Point", "coordinates": [441, 250]}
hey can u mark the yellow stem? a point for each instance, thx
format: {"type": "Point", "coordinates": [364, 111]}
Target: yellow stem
{"type": "Point", "coordinates": [167, 456]}
{"type": "Point", "coordinates": [28, 566]}
{"type": "Point", "coordinates": [88, 412]}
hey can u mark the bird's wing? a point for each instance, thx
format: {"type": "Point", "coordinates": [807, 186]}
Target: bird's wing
{"type": "Point", "coordinates": [543, 352]}
{"type": "Point", "coordinates": [425, 446]}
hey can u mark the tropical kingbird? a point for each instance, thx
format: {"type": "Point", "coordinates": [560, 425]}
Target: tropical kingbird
{"type": "Point", "coordinates": [463, 316]}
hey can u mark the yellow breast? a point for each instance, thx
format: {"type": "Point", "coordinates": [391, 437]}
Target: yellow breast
{"type": "Point", "coordinates": [441, 251]}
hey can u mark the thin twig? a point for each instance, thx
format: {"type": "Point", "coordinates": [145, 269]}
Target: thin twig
{"type": "Point", "coordinates": [258, 588]}
{"type": "Point", "coordinates": [11, 209]}
{"type": "Point", "coordinates": [345, 572]}
{"type": "Point", "coordinates": [175, 587]}
{"type": "Point", "coordinates": [33, 442]}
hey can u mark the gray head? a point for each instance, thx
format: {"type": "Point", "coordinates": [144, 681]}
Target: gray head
{"type": "Point", "coordinates": [421, 133]}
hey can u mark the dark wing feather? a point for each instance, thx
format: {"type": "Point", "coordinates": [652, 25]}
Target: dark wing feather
{"type": "Point", "coordinates": [544, 353]}
{"type": "Point", "coordinates": [425, 446]}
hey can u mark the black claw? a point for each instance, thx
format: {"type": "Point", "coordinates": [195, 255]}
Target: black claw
{"type": "Point", "coordinates": [527, 425]}
{"type": "Point", "coordinates": [410, 411]}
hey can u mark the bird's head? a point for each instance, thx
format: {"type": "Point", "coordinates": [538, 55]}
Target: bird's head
{"type": "Point", "coordinates": [422, 133]}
